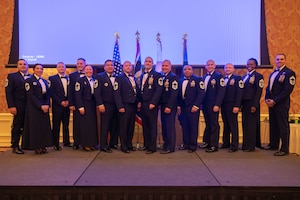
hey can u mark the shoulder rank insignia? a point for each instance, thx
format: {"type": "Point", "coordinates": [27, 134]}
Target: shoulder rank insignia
{"type": "Point", "coordinates": [96, 83]}
{"type": "Point", "coordinates": [202, 85]}
{"type": "Point", "coordinates": [160, 81]}
{"type": "Point", "coordinates": [292, 80]}
{"type": "Point", "coordinates": [6, 82]}
{"type": "Point", "coordinates": [77, 86]}
{"type": "Point", "coordinates": [116, 85]}
{"type": "Point", "coordinates": [174, 85]}
{"type": "Point", "coordinates": [261, 83]}
{"type": "Point", "coordinates": [241, 84]}
{"type": "Point", "coordinates": [222, 82]}
{"type": "Point", "coordinates": [27, 86]}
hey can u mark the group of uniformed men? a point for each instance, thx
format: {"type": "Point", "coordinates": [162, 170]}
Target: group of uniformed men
{"type": "Point", "coordinates": [119, 98]}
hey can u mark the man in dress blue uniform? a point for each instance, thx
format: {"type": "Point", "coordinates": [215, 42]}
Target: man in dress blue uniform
{"type": "Point", "coordinates": [253, 84]}
{"type": "Point", "coordinates": [105, 102]}
{"type": "Point", "coordinates": [126, 94]}
{"type": "Point", "coordinates": [151, 90]}
{"type": "Point", "coordinates": [280, 86]}
{"type": "Point", "coordinates": [80, 65]}
{"type": "Point", "coordinates": [230, 107]}
{"type": "Point", "coordinates": [16, 101]}
{"type": "Point", "coordinates": [191, 94]}
{"type": "Point", "coordinates": [60, 106]}
{"type": "Point", "coordinates": [168, 107]}
{"type": "Point", "coordinates": [214, 94]}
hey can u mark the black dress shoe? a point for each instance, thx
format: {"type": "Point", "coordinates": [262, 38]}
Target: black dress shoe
{"type": "Point", "coordinates": [107, 150]}
{"type": "Point", "coordinates": [143, 148]}
{"type": "Point", "coordinates": [57, 148]}
{"type": "Point", "coordinates": [75, 147]}
{"type": "Point", "coordinates": [132, 149]}
{"type": "Point", "coordinates": [17, 150]}
{"type": "Point", "coordinates": [93, 148]}
{"type": "Point", "coordinates": [224, 146]}
{"type": "Point", "coordinates": [182, 148]}
{"type": "Point", "coordinates": [203, 145]}
{"type": "Point", "coordinates": [126, 151]}
{"type": "Point", "coordinates": [281, 153]}
{"type": "Point", "coordinates": [232, 150]}
{"type": "Point", "coordinates": [211, 149]}
{"type": "Point", "coordinates": [114, 147]}
{"type": "Point", "coordinates": [191, 150]}
{"type": "Point", "coordinates": [269, 148]}
{"type": "Point", "coordinates": [149, 152]}
{"type": "Point", "coordinates": [67, 145]}
{"type": "Point", "coordinates": [44, 150]}
{"type": "Point", "coordinates": [161, 147]}
{"type": "Point", "coordinates": [87, 148]}
{"type": "Point", "coordinates": [247, 150]}
{"type": "Point", "coordinates": [38, 151]}
{"type": "Point", "coordinates": [166, 151]}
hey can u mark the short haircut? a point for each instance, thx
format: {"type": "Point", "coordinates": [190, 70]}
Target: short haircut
{"type": "Point", "coordinates": [256, 63]}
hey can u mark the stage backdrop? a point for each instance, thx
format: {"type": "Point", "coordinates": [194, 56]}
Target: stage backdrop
{"type": "Point", "coordinates": [283, 34]}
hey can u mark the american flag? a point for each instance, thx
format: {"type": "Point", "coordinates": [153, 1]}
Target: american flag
{"type": "Point", "coordinates": [117, 59]}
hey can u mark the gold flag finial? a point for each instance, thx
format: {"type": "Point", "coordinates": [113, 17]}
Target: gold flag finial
{"type": "Point", "coordinates": [158, 36]}
{"type": "Point", "coordinates": [117, 35]}
{"type": "Point", "coordinates": [184, 36]}
{"type": "Point", "coordinates": [137, 35]}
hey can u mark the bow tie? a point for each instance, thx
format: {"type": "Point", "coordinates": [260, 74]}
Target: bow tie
{"type": "Point", "coordinates": [63, 77]}
{"type": "Point", "coordinates": [146, 72]}
{"type": "Point", "coordinates": [130, 75]}
{"type": "Point", "coordinates": [208, 74]}
{"type": "Point", "coordinates": [109, 76]}
{"type": "Point", "coordinates": [185, 78]}
{"type": "Point", "coordinates": [276, 70]}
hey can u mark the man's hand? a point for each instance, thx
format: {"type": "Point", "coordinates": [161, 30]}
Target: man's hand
{"type": "Point", "coordinates": [13, 110]}
{"type": "Point", "coordinates": [235, 110]}
{"type": "Point", "coordinates": [151, 106]}
{"type": "Point", "coordinates": [101, 108]}
{"type": "Point", "coordinates": [167, 110]}
{"type": "Point", "coordinates": [45, 108]}
{"type": "Point", "coordinates": [253, 109]}
{"type": "Point", "coordinates": [216, 108]}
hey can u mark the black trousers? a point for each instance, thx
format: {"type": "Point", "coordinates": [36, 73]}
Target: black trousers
{"type": "Point", "coordinates": [17, 127]}
{"type": "Point", "coordinates": [189, 124]}
{"type": "Point", "coordinates": [60, 115]}
{"type": "Point", "coordinates": [212, 129]}
{"type": "Point", "coordinates": [126, 125]}
{"type": "Point", "coordinates": [76, 127]}
{"type": "Point", "coordinates": [230, 126]}
{"type": "Point", "coordinates": [168, 128]}
{"type": "Point", "coordinates": [279, 126]}
{"type": "Point", "coordinates": [109, 124]}
{"type": "Point", "coordinates": [251, 127]}
{"type": "Point", "coordinates": [149, 122]}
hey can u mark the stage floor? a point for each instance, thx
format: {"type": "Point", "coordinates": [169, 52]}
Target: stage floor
{"type": "Point", "coordinates": [79, 168]}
